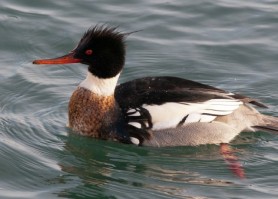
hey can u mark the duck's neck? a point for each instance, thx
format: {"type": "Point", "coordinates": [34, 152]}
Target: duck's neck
{"type": "Point", "coordinates": [100, 86]}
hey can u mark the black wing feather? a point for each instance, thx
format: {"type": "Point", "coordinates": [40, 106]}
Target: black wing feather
{"type": "Point", "coordinates": [159, 90]}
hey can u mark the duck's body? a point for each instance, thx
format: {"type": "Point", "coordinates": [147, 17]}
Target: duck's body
{"type": "Point", "coordinates": [153, 111]}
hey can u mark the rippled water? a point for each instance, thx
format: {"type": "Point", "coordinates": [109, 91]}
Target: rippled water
{"type": "Point", "coordinates": [229, 44]}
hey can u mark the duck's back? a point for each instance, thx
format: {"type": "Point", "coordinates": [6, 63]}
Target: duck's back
{"type": "Point", "coordinates": [175, 111]}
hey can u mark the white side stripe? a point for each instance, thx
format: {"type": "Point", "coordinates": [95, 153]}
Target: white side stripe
{"type": "Point", "coordinates": [170, 114]}
{"type": "Point", "coordinates": [207, 118]}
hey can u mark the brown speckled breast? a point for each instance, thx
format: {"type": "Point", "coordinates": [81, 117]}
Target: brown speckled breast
{"type": "Point", "coordinates": [91, 114]}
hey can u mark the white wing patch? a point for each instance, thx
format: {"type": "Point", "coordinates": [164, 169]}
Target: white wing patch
{"type": "Point", "coordinates": [171, 114]}
{"type": "Point", "coordinates": [138, 124]}
{"type": "Point", "coordinates": [197, 117]}
{"type": "Point", "coordinates": [133, 112]}
{"type": "Point", "coordinates": [135, 124]}
{"type": "Point", "coordinates": [134, 140]}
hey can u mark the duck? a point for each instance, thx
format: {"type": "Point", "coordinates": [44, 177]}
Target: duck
{"type": "Point", "coordinates": [153, 111]}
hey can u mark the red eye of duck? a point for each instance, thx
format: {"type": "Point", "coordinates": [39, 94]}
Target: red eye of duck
{"type": "Point", "coordinates": [89, 52]}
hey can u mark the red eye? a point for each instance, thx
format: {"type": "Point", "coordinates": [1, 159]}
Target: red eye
{"type": "Point", "coordinates": [89, 52]}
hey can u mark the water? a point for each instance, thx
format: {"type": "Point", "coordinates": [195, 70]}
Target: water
{"type": "Point", "coordinates": [229, 44]}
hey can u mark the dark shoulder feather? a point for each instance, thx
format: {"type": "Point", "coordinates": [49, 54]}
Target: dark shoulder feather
{"type": "Point", "coordinates": [159, 90]}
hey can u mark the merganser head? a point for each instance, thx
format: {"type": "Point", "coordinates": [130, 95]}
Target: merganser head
{"type": "Point", "coordinates": [101, 47]}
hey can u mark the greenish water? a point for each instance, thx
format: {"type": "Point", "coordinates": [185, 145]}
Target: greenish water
{"type": "Point", "coordinates": [229, 44]}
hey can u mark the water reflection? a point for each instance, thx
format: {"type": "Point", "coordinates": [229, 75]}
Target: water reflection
{"type": "Point", "coordinates": [105, 169]}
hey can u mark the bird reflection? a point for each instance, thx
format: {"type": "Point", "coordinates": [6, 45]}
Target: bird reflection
{"type": "Point", "coordinates": [107, 169]}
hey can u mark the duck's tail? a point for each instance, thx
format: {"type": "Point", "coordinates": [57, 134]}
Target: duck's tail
{"type": "Point", "coordinates": [269, 124]}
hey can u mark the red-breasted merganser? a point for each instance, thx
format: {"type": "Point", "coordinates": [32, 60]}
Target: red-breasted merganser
{"type": "Point", "coordinates": [152, 111]}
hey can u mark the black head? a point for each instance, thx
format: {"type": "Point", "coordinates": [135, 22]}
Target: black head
{"type": "Point", "coordinates": [101, 47]}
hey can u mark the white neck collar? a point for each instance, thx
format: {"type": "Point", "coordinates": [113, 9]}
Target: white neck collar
{"type": "Point", "coordinates": [100, 86]}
